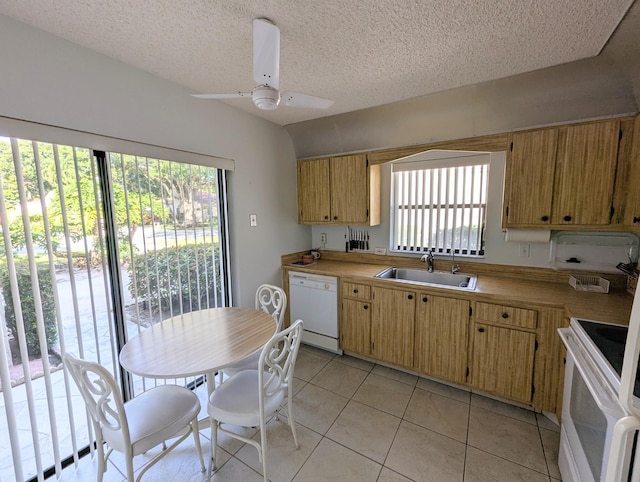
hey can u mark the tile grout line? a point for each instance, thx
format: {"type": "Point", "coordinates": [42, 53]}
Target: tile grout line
{"type": "Point", "coordinates": [466, 442]}
{"type": "Point", "coordinates": [325, 436]}
{"type": "Point", "coordinates": [414, 386]}
{"type": "Point", "coordinates": [504, 458]}
{"type": "Point", "coordinates": [544, 452]}
{"type": "Point", "coordinates": [395, 435]}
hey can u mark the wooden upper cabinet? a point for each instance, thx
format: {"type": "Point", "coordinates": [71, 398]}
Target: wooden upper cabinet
{"type": "Point", "coordinates": [339, 190]}
{"type": "Point", "coordinates": [314, 194]}
{"type": "Point", "coordinates": [531, 160]}
{"type": "Point", "coordinates": [632, 180]}
{"type": "Point", "coordinates": [561, 177]}
{"type": "Point", "coordinates": [349, 189]}
{"type": "Point", "coordinates": [585, 173]}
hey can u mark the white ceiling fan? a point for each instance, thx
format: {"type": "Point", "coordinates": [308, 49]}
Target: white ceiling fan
{"type": "Point", "coordinates": [266, 72]}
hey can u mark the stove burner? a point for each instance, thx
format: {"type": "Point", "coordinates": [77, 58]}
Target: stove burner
{"type": "Point", "coordinates": [613, 334]}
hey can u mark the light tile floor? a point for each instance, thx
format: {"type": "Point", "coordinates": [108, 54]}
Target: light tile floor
{"type": "Point", "coordinates": [359, 421]}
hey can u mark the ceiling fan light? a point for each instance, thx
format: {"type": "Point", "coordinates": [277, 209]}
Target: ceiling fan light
{"type": "Point", "coordinates": [265, 97]}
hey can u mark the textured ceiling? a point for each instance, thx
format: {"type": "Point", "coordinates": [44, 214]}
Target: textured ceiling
{"type": "Point", "coordinates": [359, 53]}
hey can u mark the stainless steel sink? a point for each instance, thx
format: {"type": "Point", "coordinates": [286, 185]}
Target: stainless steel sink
{"type": "Point", "coordinates": [434, 278]}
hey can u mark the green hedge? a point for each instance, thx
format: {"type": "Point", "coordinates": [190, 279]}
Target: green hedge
{"type": "Point", "coordinates": [156, 278]}
{"type": "Point", "coordinates": [28, 306]}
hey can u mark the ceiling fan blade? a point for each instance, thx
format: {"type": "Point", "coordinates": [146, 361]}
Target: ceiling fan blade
{"type": "Point", "coordinates": [295, 99]}
{"type": "Point", "coordinates": [266, 53]}
{"type": "Point", "coordinates": [223, 96]}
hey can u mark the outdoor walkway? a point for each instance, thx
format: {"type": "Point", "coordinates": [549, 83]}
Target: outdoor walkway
{"type": "Point", "coordinates": [88, 308]}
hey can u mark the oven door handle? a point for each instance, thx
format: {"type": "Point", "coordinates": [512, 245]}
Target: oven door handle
{"type": "Point", "coordinates": [598, 386]}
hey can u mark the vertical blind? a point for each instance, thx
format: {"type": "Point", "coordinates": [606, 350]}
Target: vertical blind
{"type": "Point", "coordinates": [56, 284]}
{"type": "Point", "coordinates": [440, 205]}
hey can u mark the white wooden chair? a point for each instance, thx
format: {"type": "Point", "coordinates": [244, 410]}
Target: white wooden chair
{"type": "Point", "coordinates": [270, 299]}
{"type": "Point", "coordinates": [134, 427]}
{"type": "Point", "coordinates": [251, 397]}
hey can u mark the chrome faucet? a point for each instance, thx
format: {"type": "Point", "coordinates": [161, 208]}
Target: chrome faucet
{"type": "Point", "coordinates": [454, 267]}
{"type": "Point", "coordinates": [428, 258]}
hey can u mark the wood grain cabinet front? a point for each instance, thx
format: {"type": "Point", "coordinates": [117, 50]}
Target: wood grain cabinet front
{"type": "Point", "coordinates": [509, 351]}
{"type": "Point", "coordinates": [563, 177]}
{"type": "Point", "coordinates": [339, 190]}
{"type": "Point", "coordinates": [355, 326]}
{"type": "Point", "coordinates": [631, 181]}
{"type": "Point", "coordinates": [502, 361]}
{"type": "Point", "coordinates": [392, 325]}
{"type": "Point", "coordinates": [585, 174]}
{"type": "Point", "coordinates": [355, 318]}
{"type": "Point", "coordinates": [314, 191]}
{"type": "Point", "coordinates": [502, 351]}
{"type": "Point", "coordinates": [531, 163]}
{"type": "Point", "coordinates": [356, 290]}
{"type": "Point", "coordinates": [441, 337]}
{"type": "Point", "coordinates": [506, 315]}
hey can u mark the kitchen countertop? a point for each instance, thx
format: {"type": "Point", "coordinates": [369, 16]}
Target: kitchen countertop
{"type": "Point", "coordinates": [612, 307]}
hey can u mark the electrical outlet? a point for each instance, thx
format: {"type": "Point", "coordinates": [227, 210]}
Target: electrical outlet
{"type": "Point", "coordinates": [523, 250]}
{"type": "Point", "coordinates": [380, 251]}
{"type": "Point", "coordinates": [323, 238]}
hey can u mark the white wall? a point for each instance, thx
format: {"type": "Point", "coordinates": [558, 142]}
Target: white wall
{"type": "Point", "coordinates": [497, 251]}
{"type": "Point", "coordinates": [49, 80]}
{"type": "Point", "coordinates": [586, 89]}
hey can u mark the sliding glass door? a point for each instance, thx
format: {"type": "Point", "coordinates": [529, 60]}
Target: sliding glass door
{"type": "Point", "coordinates": [96, 246]}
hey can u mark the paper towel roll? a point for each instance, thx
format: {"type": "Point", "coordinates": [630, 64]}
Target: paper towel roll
{"type": "Point", "coordinates": [527, 235]}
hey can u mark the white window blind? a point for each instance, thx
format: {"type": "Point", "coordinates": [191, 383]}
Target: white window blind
{"type": "Point", "coordinates": [11, 127]}
{"type": "Point", "coordinates": [440, 205]}
{"type": "Point", "coordinates": [57, 285]}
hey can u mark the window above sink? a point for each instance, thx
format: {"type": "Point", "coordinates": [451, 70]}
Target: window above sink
{"type": "Point", "coordinates": [439, 202]}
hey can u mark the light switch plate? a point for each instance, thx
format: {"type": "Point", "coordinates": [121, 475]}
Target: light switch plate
{"type": "Point", "coordinates": [253, 220]}
{"type": "Point", "coordinates": [380, 251]}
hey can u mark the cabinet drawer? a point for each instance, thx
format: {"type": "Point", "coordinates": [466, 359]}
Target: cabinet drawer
{"type": "Point", "coordinates": [357, 291]}
{"type": "Point", "coordinates": [506, 315]}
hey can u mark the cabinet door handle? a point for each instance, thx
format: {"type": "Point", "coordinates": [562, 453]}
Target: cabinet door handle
{"type": "Point", "coordinates": [326, 218]}
{"type": "Point", "coordinates": [355, 290]}
{"type": "Point", "coordinates": [636, 219]}
{"type": "Point", "coordinates": [335, 218]}
{"type": "Point", "coordinates": [505, 315]}
{"type": "Point", "coordinates": [366, 307]}
{"type": "Point", "coordinates": [425, 299]}
{"type": "Point", "coordinates": [481, 330]}
{"type": "Point", "coordinates": [545, 218]}
{"type": "Point", "coordinates": [410, 297]}
{"type": "Point", "coordinates": [567, 218]}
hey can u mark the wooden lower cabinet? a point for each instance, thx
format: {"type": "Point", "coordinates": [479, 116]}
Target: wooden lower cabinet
{"type": "Point", "coordinates": [512, 352]}
{"type": "Point", "coordinates": [441, 337]}
{"type": "Point", "coordinates": [392, 326]}
{"type": "Point", "coordinates": [355, 326]}
{"type": "Point", "coordinates": [502, 361]}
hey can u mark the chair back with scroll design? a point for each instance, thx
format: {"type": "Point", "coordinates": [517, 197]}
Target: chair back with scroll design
{"type": "Point", "coordinates": [102, 397]}
{"type": "Point", "coordinates": [138, 425]}
{"type": "Point", "coordinates": [273, 300]}
{"type": "Point", "coordinates": [250, 397]}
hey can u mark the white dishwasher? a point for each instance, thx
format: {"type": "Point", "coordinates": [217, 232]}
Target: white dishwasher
{"type": "Point", "coordinates": [314, 299]}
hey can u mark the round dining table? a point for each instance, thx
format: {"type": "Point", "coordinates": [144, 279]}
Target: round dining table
{"type": "Point", "coordinates": [197, 343]}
